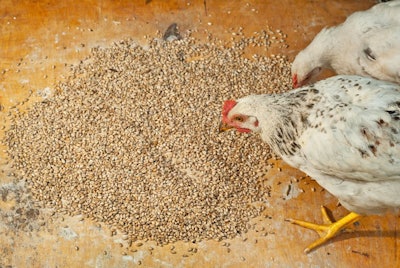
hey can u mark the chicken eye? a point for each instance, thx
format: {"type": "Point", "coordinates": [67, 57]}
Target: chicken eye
{"type": "Point", "coordinates": [369, 54]}
{"type": "Point", "coordinates": [239, 119]}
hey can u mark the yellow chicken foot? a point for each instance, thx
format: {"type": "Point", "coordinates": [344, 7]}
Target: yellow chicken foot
{"type": "Point", "coordinates": [327, 230]}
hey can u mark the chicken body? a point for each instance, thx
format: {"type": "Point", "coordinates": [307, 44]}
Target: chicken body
{"type": "Point", "coordinates": [367, 44]}
{"type": "Point", "coordinates": [344, 132]}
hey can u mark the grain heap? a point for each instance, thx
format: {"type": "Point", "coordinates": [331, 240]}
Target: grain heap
{"type": "Point", "coordinates": [131, 139]}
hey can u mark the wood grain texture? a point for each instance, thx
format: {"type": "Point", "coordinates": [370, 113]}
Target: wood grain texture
{"type": "Point", "coordinates": [40, 40]}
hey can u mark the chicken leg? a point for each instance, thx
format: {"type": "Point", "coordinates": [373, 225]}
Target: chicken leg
{"type": "Point", "coordinates": [327, 230]}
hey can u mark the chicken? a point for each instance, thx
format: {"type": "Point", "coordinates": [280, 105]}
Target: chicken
{"type": "Point", "coordinates": [366, 44]}
{"type": "Point", "coordinates": [344, 132]}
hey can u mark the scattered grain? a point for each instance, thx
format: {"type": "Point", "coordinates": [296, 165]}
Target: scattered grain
{"type": "Point", "coordinates": [131, 139]}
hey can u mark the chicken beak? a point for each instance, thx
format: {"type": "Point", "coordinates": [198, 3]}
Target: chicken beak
{"type": "Point", "coordinates": [224, 127]}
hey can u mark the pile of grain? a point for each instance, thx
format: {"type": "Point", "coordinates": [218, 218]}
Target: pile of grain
{"type": "Point", "coordinates": [131, 139]}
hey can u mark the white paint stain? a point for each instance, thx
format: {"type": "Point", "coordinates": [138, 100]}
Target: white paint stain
{"type": "Point", "coordinates": [139, 256]}
{"type": "Point", "coordinates": [128, 258]}
{"type": "Point", "coordinates": [24, 81]}
{"type": "Point", "coordinates": [68, 233]}
{"type": "Point", "coordinates": [165, 264]}
{"type": "Point", "coordinates": [45, 93]}
{"type": "Point", "coordinates": [291, 191]}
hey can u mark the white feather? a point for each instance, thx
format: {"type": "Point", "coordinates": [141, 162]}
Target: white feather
{"type": "Point", "coordinates": [344, 48]}
{"type": "Point", "coordinates": [348, 132]}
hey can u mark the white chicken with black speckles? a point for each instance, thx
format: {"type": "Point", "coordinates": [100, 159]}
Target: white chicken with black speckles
{"type": "Point", "coordinates": [367, 44]}
{"type": "Point", "coordinates": [344, 132]}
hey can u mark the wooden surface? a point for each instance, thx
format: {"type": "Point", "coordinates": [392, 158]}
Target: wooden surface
{"type": "Point", "coordinates": [40, 40]}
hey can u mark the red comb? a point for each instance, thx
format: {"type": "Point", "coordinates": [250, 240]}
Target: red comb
{"type": "Point", "coordinates": [295, 82]}
{"type": "Point", "coordinates": [228, 105]}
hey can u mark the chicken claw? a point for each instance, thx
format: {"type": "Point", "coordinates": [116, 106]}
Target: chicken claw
{"type": "Point", "coordinates": [327, 230]}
